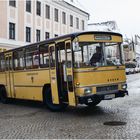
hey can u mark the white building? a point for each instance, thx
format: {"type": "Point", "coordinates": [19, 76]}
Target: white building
{"type": "Point", "coordinates": [26, 21]}
{"type": "Point", "coordinates": [137, 48]}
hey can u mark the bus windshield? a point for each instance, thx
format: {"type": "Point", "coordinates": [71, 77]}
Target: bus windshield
{"type": "Point", "coordinates": [90, 54]}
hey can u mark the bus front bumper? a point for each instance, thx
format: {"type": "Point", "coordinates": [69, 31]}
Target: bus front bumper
{"type": "Point", "coordinates": [103, 96]}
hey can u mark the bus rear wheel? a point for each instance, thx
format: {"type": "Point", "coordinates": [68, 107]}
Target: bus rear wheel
{"type": "Point", "coordinates": [48, 102]}
{"type": "Point", "coordinates": [3, 95]}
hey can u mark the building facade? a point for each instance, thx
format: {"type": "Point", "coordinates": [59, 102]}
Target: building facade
{"type": "Point", "coordinates": [28, 21]}
{"type": "Point", "coordinates": [129, 50]}
{"type": "Point", "coordinates": [137, 48]}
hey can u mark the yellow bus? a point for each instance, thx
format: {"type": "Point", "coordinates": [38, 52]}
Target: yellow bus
{"type": "Point", "coordinates": [78, 68]}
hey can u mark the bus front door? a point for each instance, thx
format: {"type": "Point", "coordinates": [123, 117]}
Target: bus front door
{"type": "Point", "coordinates": [69, 74]}
{"type": "Point", "coordinates": [53, 74]}
{"type": "Point", "coordinates": [9, 75]}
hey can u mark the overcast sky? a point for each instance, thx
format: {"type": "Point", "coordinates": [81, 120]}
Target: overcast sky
{"type": "Point", "coordinates": [125, 12]}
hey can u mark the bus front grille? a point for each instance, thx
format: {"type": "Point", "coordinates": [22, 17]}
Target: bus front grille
{"type": "Point", "coordinates": [106, 88]}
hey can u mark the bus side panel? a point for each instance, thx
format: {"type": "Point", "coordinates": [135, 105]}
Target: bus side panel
{"type": "Point", "coordinates": [29, 93]}
{"type": "Point", "coordinates": [29, 84]}
{"type": "Point", "coordinates": [3, 81]}
{"type": "Point", "coordinates": [2, 78]}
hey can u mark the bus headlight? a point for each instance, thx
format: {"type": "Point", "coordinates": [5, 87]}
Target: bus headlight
{"type": "Point", "coordinates": [124, 86]}
{"type": "Point", "coordinates": [87, 91]}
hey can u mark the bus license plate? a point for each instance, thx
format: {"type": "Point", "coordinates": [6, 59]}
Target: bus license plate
{"type": "Point", "coordinates": [110, 96]}
{"type": "Point", "coordinates": [89, 100]}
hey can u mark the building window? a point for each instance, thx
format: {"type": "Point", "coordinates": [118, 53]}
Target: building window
{"type": "Point", "coordinates": [77, 23]}
{"type": "Point", "coordinates": [83, 25]}
{"type": "Point", "coordinates": [47, 11]}
{"type": "Point", "coordinates": [63, 17]}
{"type": "Point", "coordinates": [11, 30]}
{"type": "Point", "coordinates": [71, 20]}
{"type": "Point", "coordinates": [38, 9]}
{"type": "Point", "coordinates": [28, 6]}
{"type": "Point", "coordinates": [12, 3]}
{"type": "Point", "coordinates": [47, 35]}
{"type": "Point", "coordinates": [37, 35]}
{"type": "Point", "coordinates": [56, 15]}
{"type": "Point", "coordinates": [28, 34]}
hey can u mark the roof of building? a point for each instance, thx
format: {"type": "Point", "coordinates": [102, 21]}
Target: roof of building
{"type": "Point", "coordinates": [76, 4]}
{"type": "Point", "coordinates": [104, 26]}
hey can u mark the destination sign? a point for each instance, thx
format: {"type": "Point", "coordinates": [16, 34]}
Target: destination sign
{"type": "Point", "coordinates": [102, 37]}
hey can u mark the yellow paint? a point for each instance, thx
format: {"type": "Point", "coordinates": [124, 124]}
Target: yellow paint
{"type": "Point", "coordinates": [61, 40]}
{"type": "Point", "coordinates": [90, 38]}
{"type": "Point", "coordinates": [31, 78]}
{"type": "Point", "coordinates": [30, 93]}
{"type": "Point", "coordinates": [10, 84]}
{"type": "Point", "coordinates": [94, 90]}
{"type": "Point", "coordinates": [31, 85]}
{"type": "Point", "coordinates": [9, 77]}
{"type": "Point", "coordinates": [120, 87]}
{"type": "Point", "coordinates": [23, 87]}
{"type": "Point", "coordinates": [53, 80]}
{"type": "Point", "coordinates": [72, 99]}
{"type": "Point", "coordinates": [71, 94]}
{"type": "Point", "coordinates": [54, 87]}
{"type": "Point", "coordinates": [97, 78]}
{"type": "Point", "coordinates": [2, 78]}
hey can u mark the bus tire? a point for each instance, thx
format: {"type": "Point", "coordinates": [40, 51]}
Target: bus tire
{"type": "Point", "coordinates": [3, 95]}
{"type": "Point", "coordinates": [49, 104]}
{"type": "Point", "coordinates": [93, 104]}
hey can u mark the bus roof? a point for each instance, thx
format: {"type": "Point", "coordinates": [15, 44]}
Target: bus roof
{"type": "Point", "coordinates": [72, 35]}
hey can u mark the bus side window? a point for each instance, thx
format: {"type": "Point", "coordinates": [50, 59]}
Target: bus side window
{"type": "Point", "coordinates": [68, 55]}
{"type": "Point", "coordinates": [19, 62]}
{"type": "Point", "coordinates": [32, 57]}
{"type": "Point", "coordinates": [44, 56]}
{"type": "Point", "coordinates": [2, 63]}
{"type": "Point", "coordinates": [52, 57]}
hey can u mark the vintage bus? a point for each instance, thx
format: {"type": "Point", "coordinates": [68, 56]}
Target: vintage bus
{"type": "Point", "coordinates": [60, 72]}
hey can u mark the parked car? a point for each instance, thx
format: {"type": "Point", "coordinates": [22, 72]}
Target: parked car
{"type": "Point", "coordinates": [130, 68]}
{"type": "Point", "coordinates": [137, 68]}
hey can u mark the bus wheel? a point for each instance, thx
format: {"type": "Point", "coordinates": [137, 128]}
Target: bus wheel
{"type": "Point", "coordinates": [49, 103]}
{"type": "Point", "coordinates": [3, 96]}
{"type": "Point", "coordinates": [92, 104]}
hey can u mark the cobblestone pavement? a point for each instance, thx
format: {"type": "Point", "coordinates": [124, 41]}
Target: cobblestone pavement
{"type": "Point", "coordinates": [32, 120]}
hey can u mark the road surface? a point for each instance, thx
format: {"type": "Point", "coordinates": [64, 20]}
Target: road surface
{"type": "Point", "coordinates": [21, 120]}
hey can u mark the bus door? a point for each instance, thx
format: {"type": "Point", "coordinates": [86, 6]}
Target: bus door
{"type": "Point", "coordinates": [53, 74]}
{"type": "Point", "coordinates": [69, 74]}
{"type": "Point", "coordinates": [9, 75]}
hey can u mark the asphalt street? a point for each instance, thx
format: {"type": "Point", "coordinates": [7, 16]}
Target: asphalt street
{"type": "Point", "coordinates": [31, 120]}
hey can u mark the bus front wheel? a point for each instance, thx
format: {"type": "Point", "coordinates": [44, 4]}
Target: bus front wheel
{"type": "Point", "coordinates": [49, 103]}
{"type": "Point", "coordinates": [3, 95]}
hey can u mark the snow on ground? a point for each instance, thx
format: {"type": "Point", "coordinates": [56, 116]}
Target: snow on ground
{"type": "Point", "coordinates": [133, 82]}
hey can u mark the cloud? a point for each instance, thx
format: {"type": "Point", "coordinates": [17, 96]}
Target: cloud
{"type": "Point", "coordinates": [124, 12]}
